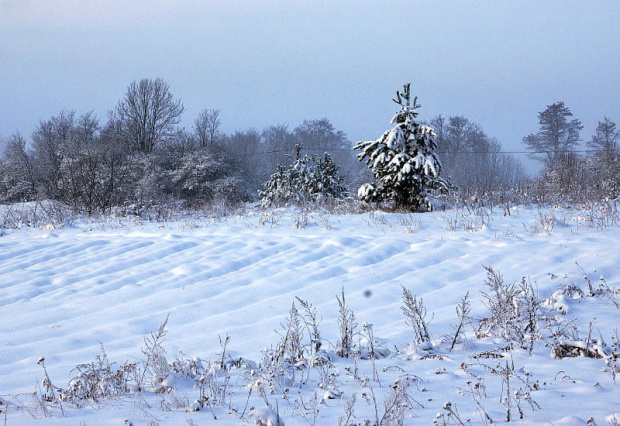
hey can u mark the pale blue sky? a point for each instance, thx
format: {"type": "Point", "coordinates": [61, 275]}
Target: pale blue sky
{"type": "Point", "coordinates": [267, 62]}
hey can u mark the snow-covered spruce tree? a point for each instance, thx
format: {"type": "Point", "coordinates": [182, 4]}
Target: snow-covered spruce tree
{"type": "Point", "coordinates": [403, 161]}
{"type": "Point", "coordinates": [303, 182]}
{"type": "Point", "coordinates": [328, 183]}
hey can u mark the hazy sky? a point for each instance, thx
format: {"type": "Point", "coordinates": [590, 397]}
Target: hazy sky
{"type": "Point", "coordinates": [265, 62]}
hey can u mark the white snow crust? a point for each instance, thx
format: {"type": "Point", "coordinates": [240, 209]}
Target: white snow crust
{"type": "Point", "coordinates": [65, 292]}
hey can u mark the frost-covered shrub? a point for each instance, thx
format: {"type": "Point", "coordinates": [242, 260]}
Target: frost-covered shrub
{"type": "Point", "coordinates": [415, 316]}
{"type": "Point", "coordinates": [514, 311]}
{"type": "Point", "coordinates": [91, 179]}
{"type": "Point", "coordinates": [346, 321]}
{"type": "Point", "coordinates": [403, 161]}
{"type": "Point", "coordinates": [44, 215]}
{"type": "Point", "coordinates": [182, 179]}
{"type": "Point", "coordinates": [17, 172]}
{"type": "Point", "coordinates": [580, 348]}
{"type": "Point", "coordinates": [265, 416]}
{"type": "Point", "coordinates": [290, 347]}
{"type": "Point", "coordinates": [565, 342]}
{"type": "Point", "coordinates": [203, 176]}
{"type": "Point", "coordinates": [100, 379]}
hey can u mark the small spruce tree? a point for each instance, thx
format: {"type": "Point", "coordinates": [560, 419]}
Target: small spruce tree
{"type": "Point", "coordinates": [303, 182]}
{"type": "Point", "coordinates": [403, 161]}
{"type": "Point", "coordinates": [328, 183]}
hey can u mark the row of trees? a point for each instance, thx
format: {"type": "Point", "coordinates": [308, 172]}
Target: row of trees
{"type": "Point", "coordinates": [141, 156]}
{"type": "Point", "coordinates": [76, 160]}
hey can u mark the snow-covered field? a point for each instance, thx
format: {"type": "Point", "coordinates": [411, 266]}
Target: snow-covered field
{"type": "Point", "coordinates": [65, 293]}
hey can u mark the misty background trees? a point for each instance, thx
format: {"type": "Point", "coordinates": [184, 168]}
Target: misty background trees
{"type": "Point", "coordinates": [139, 156]}
{"type": "Point", "coordinates": [473, 161]}
{"type": "Point", "coordinates": [568, 172]}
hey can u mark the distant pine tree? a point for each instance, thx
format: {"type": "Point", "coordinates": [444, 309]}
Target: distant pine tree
{"type": "Point", "coordinates": [403, 161]}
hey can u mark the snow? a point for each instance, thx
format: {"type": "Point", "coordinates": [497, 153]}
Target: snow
{"type": "Point", "coordinates": [65, 292]}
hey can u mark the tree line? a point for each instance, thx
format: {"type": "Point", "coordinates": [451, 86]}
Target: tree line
{"type": "Point", "coordinates": [140, 156]}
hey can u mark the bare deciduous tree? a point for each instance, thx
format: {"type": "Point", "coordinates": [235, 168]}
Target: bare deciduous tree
{"type": "Point", "coordinates": [148, 114]}
{"type": "Point", "coordinates": [51, 141]}
{"type": "Point", "coordinates": [207, 127]}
